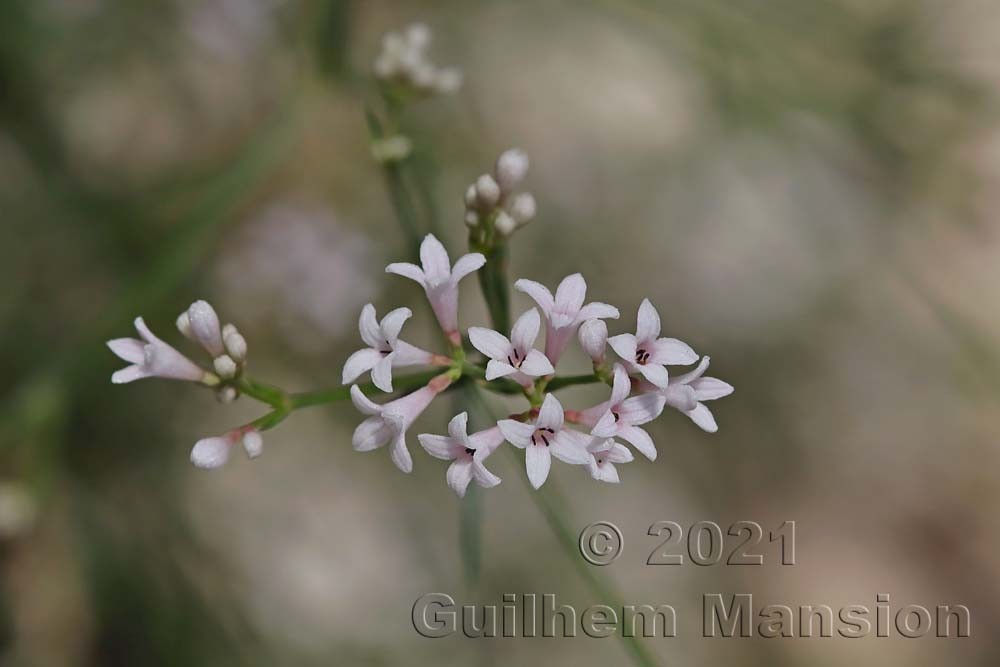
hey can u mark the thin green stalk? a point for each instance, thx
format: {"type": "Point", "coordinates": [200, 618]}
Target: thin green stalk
{"type": "Point", "coordinates": [557, 383]}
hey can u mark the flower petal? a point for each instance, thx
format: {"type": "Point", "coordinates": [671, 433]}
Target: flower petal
{"type": "Point", "coordinates": [371, 434]}
{"type": "Point", "coordinates": [537, 462]}
{"type": "Point", "coordinates": [466, 264]}
{"type": "Point", "coordinates": [655, 373]}
{"type": "Point", "coordinates": [392, 324]}
{"type": "Point", "coordinates": [486, 442]}
{"type": "Point", "coordinates": [619, 453]}
{"type": "Point", "coordinates": [484, 477]}
{"type": "Point", "coordinates": [550, 415]}
{"type": "Point", "coordinates": [570, 448]}
{"type": "Point", "coordinates": [382, 373]}
{"type": "Point", "coordinates": [642, 409]}
{"type": "Point", "coordinates": [400, 455]}
{"type": "Point", "coordinates": [407, 270]}
{"type": "Point", "coordinates": [606, 426]}
{"type": "Point", "coordinates": [597, 311]}
{"type": "Point", "coordinates": [639, 439]}
{"type": "Point", "coordinates": [536, 364]}
{"type": "Point", "coordinates": [458, 429]}
{"type": "Point", "coordinates": [364, 404]}
{"type": "Point", "coordinates": [434, 258]}
{"type": "Point", "coordinates": [517, 433]}
{"type": "Point", "coordinates": [647, 326]}
{"type": "Point", "coordinates": [438, 446]}
{"type": "Point", "coordinates": [604, 472]}
{"type": "Point", "coordinates": [459, 475]}
{"type": "Point", "coordinates": [491, 343]}
{"type": "Point", "coordinates": [709, 389]}
{"type": "Point", "coordinates": [369, 329]}
{"type": "Point", "coordinates": [569, 299]}
{"type": "Point", "coordinates": [409, 355]}
{"type": "Point", "coordinates": [703, 417]}
{"type": "Point", "coordinates": [691, 376]}
{"type": "Point", "coordinates": [537, 291]}
{"type": "Point", "coordinates": [672, 352]}
{"type": "Point", "coordinates": [624, 346]}
{"type": "Point", "coordinates": [621, 386]}
{"type": "Point", "coordinates": [129, 374]}
{"type": "Point", "coordinates": [525, 331]}
{"type": "Point", "coordinates": [127, 349]}
{"type": "Point", "coordinates": [360, 362]}
{"type": "Point", "coordinates": [498, 369]}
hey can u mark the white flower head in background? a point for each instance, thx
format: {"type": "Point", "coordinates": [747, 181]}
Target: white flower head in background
{"type": "Point", "coordinates": [565, 311]}
{"type": "Point", "coordinates": [466, 452]}
{"type": "Point", "coordinates": [385, 350]}
{"type": "Point", "coordinates": [516, 356]}
{"type": "Point", "coordinates": [403, 62]}
{"type": "Point", "coordinates": [648, 354]}
{"type": "Point", "coordinates": [492, 203]}
{"type": "Point", "coordinates": [440, 280]}
{"type": "Point", "coordinates": [546, 437]}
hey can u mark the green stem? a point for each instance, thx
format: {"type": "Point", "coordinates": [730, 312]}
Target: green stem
{"type": "Point", "coordinates": [557, 383]}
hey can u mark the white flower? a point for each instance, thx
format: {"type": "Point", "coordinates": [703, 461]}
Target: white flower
{"type": "Point", "coordinates": [385, 350]}
{"type": "Point", "coordinates": [621, 416]}
{"type": "Point", "coordinates": [467, 453]}
{"type": "Point", "coordinates": [594, 339]}
{"type": "Point", "coordinates": [604, 454]}
{"type": "Point", "coordinates": [544, 439]}
{"type": "Point", "coordinates": [389, 422]}
{"type": "Point", "coordinates": [440, 280]}
{"type": "Point", "coordinates": [151, 357]}
{"type": "Point", "coordinates": [517, 356]}
{"type": "Point", "coordinates": [211, 453]}
{"type": "Point", "coordinates": [646, 352]}
{"type": "Point", "coordinates": [564, 312]}
{"type": "Point", "coordinates": [403, 60]}
{"type": "Point", "coordinates": [686, 393]}
{"type": "Point", "coordinates": [205, 328]}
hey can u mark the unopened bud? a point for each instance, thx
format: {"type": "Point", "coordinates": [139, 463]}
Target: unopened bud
{"type": "Point", "coordinates": [505, 224]}
{"type": "Point", "coordinates": [226, 395]}
{"type": "Point", "coordinates": [253, 443]}
{"type": "Point", "coordinates": [594, 339]}
{"type": "Point", "coordinates": [512, 167]}
{"type": "Point", "coordinates": [487, 191]}
{"type": "Point", "coordinates": [184, 325]}
{"type": "Point", "coordinates": [471, 218]}
{"type": "Point", "coordinates": [225, 366]}
{"type": "Point", "coordinates": [471, 200]}
{"type": "Point", "coordinates": [523, 208]}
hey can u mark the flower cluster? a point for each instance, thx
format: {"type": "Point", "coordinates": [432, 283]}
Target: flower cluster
{"type": "Point", "coordinates": [149, 356]}
{"type": "Point", "coordinates": [403, 63]}
{"type": "Point", "coordinates": [492, 202]}
{"type": "Point", "coordinates": [641, 384]}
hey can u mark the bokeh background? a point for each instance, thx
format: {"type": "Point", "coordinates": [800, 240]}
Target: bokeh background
{"type": "Point", "coordinates": [807, 190]}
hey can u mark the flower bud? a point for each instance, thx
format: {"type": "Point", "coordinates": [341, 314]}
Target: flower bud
{"type": "Point", "coordinates": [205, 327]}
{"type": "Point", "coordinates": [471, 200]}
{"type": "Point", "coordinates": [225, 366]}
{"type": "Point", "coordinates": [505, 224]}
{"type": "Point", "coordinates": [209, 453]}
{"type": "Point", "coordinates": [487, 191]}
{"type": "Point", "coordinates": [236, 345]}
{"type": "Point", "coordinates": [253, 443]}
{"type": "Point", "coordinates": [418, 36]}
{"type": "Point", "coordinates": [184, 325]}
{"type": "Point", "coordinates": [471, 218]}
{"type": "Point", "coordinates": [523, 208]}
{"type": "Point", "coordinates": [512, 166]}
{"type": "Point", "coordinates": [226, 395]}
{"type": "Point", "coordinates": [594, 339]}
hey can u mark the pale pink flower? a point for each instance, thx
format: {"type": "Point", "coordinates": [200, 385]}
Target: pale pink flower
{"type": "Point", "coordinates": [388, 423]}
{"type": "Point", "coordinates": [647, 353]}
{"type": "Point", "coordinates": [151, 357]}
{"type": "Point", "coordinates": [467, 453]}
{"type": "Point", "coordinates": [604, 454]}
{"type": "Point", "coordinates": [621, 416]}
{"type": "Point", "coordinates": [565, 311]}
{"type": "Point", "coordinates": [686, 393]}
{"type": "Point", "coordinates": [516, 356]}
{"type": "Point", "coordinates": [545, 438]}
{"type": "Point", "coordinates": [211, 453]}
{"type": "Point", "coordinates": [440, 280]}
{"type": "Point", "coordinates": [594, 339]}
{"type": "Point", "coordinates": [385, 350]}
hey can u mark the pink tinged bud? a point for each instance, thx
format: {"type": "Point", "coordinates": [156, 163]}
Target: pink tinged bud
{"type": "Point", "coordinates": [511, 168]}
{"type": "Point", "coordinates": [253, 443]}
{"type": "Point", "coordinates": [206, 328]}
{"type": "Point", "coordinates": [211, 453]}
{"type": "Point", "coordinates": [594, 339]}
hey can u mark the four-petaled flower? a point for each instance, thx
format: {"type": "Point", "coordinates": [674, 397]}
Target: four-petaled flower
{"type": "Point", "coordinates": [516, 356]}
{"type": "Point", "coordinates": [646, 352]}
{"type": "Point", "coordinates": [546, 438]}
{"type": "Point", "coordinates": [604, 454]}
{"type": "Point", "coordinates": [466, 452]}
{"type": "Point", "coordinates": [385, 350]}
{"type": "Point", "coordinates": [686, 393]}
{"type": "Point", "coordinates": [621, 416]}
{"type": "Point", "coordinates": [390, 421]}
{"type": "Point", "coordinates": [440, 280]}
{"type": "Point", "coordinates": [151, 357]}
{"type": "Point", "coordinates": [565, 311]}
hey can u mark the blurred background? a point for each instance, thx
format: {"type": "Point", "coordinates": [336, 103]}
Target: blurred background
{"type": "Point", "coordinates": [806, 190]}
